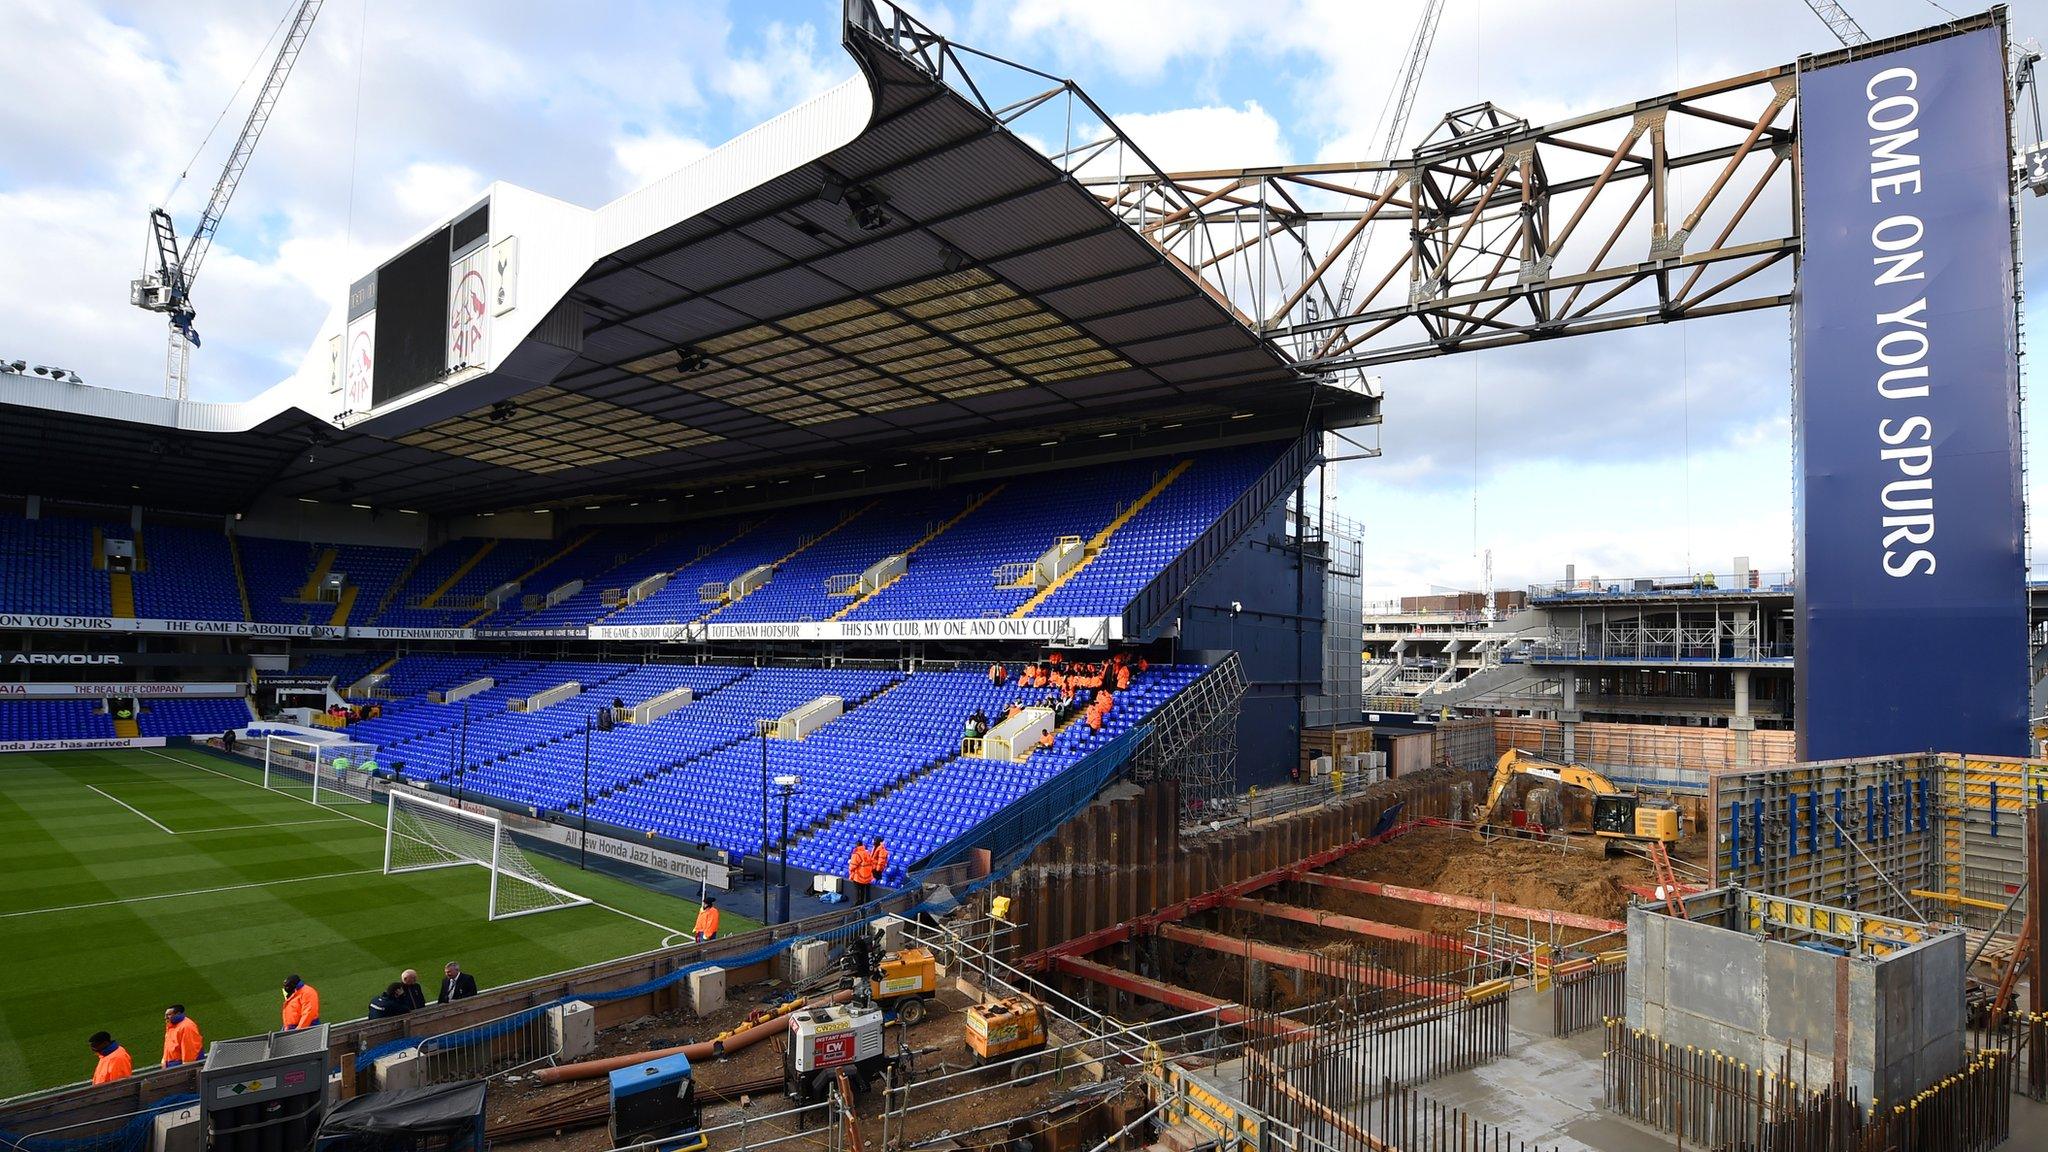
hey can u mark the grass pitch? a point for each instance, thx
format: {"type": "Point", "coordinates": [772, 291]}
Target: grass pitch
{"type": "Point", "coordinates": [135, 878]}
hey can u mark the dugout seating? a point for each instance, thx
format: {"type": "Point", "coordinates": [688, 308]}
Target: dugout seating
{"type": "Point", "coordinates": [200, 716]}
{"type": "Point", "coordinates": [54, 720]}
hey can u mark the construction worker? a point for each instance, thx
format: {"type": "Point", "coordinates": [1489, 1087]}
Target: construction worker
{"type": "Point", "coordinates": [182, 1042]}
{"type": "Point", "coordinates": [115, 1063]}
{"type": "Point", "coordinates": [997, 674]}
{"type": "Point", "coordinates": [707, 920]}
{"type": "Point", "coordinates": [879, 857]}
{"type": "Point", "coordinates": [860, 869]}
{"type": "Point", "coordinates": [1094, 720]}
{"type": "Point", "coordinates": [1045, 739]}
{"type": "Point", "coordinates": [1123, 677]}
{"type": "Point", "coordinates": [301, 1004]}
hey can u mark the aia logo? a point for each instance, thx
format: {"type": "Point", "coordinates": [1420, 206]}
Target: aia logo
{"type": "Point", "coordinates": [466, 318]}
{"type": "Point", "coordinates": [359, 364]}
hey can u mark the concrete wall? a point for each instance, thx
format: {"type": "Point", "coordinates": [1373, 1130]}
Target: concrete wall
{"type": "Point", "coordinates": [1899, 1019]}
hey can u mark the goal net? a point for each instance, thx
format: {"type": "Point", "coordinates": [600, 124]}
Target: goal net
{"type": "Point", "coordinates": [421, 833]}
{"type": "Point", "coordinates": [327, 772]}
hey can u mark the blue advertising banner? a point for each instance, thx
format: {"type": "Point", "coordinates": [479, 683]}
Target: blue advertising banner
{"type": "Point", "coordinates": [1911, 602]}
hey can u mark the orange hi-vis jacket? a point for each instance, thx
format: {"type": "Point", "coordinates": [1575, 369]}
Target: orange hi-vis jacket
{"type": "Point", "coordinates": [302, 1008]}
{"type": "Point", "coordinates": [707, 923]}
{"type": "Point", "coordinates": [878, 859]}
{"type": "Point", "coordinates": [116, 1064]}
{"type": "Point", "coordinates": [860, 867]}
{"type": "Point", "coordinates": [182, 1042]}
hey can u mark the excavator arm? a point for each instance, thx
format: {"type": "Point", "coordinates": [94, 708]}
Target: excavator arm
{"type": "Point", "coordinates": [1515, 762]}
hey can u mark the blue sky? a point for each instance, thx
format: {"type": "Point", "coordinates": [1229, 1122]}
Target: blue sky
{"type": "Point", "coordinates": [1647, 452]}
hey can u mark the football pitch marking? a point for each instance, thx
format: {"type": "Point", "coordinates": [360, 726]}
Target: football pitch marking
{"type": "Point", "coordinates": [358, 819]}
{"type": "Point", "coordinates": [201, 831]}
{"type": "Point", "coordinates": [132, 808]}
{"type": "Point", "coordinates": [190, 892]}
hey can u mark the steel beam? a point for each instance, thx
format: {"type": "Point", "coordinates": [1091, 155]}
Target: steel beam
{"type": "Point", "coordinates": [1141, 925]}
{"type": "Point", "coordinates": [1175, 996]}
{"type": "Point", "coordinates": [1362, 973]}
{"type": "Point", "coordinates": [1468, 903]}
{"type": "Point", "coordinates": [1353, 924]}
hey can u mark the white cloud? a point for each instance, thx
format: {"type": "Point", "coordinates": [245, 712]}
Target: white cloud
{"type": "Point", "coordinates": [645, 159]}
{"type": "Point", "coordinates": [428, 192]}
{"type": "Point", "coordinates": [785, 71]}
{"type": "Point", "coordinates": [1211, 137]}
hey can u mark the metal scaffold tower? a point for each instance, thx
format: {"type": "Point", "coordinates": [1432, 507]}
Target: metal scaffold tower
{"type": "Point", "coordinates": [1194, 737]}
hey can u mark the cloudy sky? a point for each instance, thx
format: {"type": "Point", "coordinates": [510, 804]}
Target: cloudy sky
{"type": "Point", "coordinates": [1645, 453]}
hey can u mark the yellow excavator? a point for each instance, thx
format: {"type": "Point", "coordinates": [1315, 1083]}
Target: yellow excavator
{"type": "Point", "coordinates": [1617, 815]}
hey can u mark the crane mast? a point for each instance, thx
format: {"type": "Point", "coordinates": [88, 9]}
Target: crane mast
{"type": "Point", "coordinates": [1838, 20]}
{"type": "Point", "coordinates": [1397, 127]}
{"type": "Point", "coordinates": [167, 287]}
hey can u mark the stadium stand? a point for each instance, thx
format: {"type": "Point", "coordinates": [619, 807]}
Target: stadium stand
{"type": "Point", "coordinates": [772, 539]}
{"type": "Point", "coordinates": [54, 720]}
{"type": "Point", "coordinates": [1162, 530]}
{"type": "Point", "coordinates": [891, 763]}
{"type": "Point", "coordinates": [186, 574]}
{"type": "Point", "coordinates": [800, 589]}
{"type": "Point", "coordinates": [441, 590]}
{"type": "Point", "coordinates": [46, 566]}
{"type": "Point", "coordinates": [345, 668]}
{"type": "Point", "coordinates": [368, 573]}
{"type": "Point", "coordinates": [966, 550]}
{"type": "Point", "coordinates": [193, 717]}
{"type": "Point", "coordinates": [277, 571]}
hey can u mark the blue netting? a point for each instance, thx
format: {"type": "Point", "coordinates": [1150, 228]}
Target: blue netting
{"type": "Point", "coordinates": [131, 1136]}
{"type": "Point", "coordinates": [1085, 778]}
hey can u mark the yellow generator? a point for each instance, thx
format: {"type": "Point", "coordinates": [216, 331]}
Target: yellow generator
{"type": "Point", "coordinates": [1006, 1028]}
{"type": "Point", "coordinates": [906, 984]}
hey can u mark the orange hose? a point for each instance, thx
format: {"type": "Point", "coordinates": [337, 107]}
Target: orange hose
{"type": "Point", "coordinates": [733, 1040]}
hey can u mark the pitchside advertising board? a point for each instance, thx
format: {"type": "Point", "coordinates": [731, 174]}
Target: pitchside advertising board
{"type": "Point", "coordinates": [1912, 612]}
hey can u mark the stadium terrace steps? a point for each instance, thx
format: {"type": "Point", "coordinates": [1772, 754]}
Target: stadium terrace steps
{"type": "Point", "coordinates": [127, 729]}
{"type": "Point", "coordinates": [121, 586]}
{"type": "Point", "coordinates": [1100, 540]}
{"type": "Point", "coordinates": [973, 506]}
{"type": "Point", "coordinates": [241, 580]}
{"type": "Point", "coordinates": [322, 564]}
{"type": "Point", "coordinates": [405, 575]}
{"type": "Point", "coordinates": [343, 605]}
{"type": "Point", "coordinates": [433, 599]}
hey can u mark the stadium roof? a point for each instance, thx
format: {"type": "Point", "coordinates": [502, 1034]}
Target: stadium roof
{"type": "Point", "coordinates": [885, 272]}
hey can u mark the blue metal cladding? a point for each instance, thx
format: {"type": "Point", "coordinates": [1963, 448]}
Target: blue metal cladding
{"type": "Point", "coordinates": [1911, 590]}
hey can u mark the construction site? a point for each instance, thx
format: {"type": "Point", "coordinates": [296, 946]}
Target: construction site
{"type": "Point", "coordinates": [1515, 956]}
{"type": "Point", "coordinates": [1018, 549]}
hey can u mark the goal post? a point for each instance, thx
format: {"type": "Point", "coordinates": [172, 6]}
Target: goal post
{"type": "Point", "coordinates": [330, 771]}
{"type": "Point", "coordinates": [423, 833]}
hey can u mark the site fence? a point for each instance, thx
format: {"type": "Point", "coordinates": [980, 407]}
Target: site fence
{"type": "Point", "coordinates": [507, 1044]}
{"type": "Point", "coordinates": [1699, 1095]}
{"type": "Point", "coordinates": [1588, 995]}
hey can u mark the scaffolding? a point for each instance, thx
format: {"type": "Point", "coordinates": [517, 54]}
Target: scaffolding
{"type": "Point", "coordinates": [1194, 737]}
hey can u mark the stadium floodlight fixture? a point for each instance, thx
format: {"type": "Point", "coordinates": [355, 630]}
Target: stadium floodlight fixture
{"type": "Point", "coordinates": [952, 259]}
{"type": "Point", "coordinates": [689, 359]}
{"type": "Point", "coordinates": [833, 189]}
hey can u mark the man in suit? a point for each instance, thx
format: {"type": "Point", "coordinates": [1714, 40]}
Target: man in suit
{"type": "Point", "coordinates": [455, 984]}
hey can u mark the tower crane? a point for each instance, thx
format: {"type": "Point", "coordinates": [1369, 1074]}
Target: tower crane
{"type": "Point", "coordinates": [167, 286]}
{"type": "Point", "coordinates": [1838, 20]}
{"type": "Point", "coordinates": [1409, 80]}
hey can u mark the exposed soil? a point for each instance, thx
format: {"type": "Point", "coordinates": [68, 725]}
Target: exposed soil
{"type": "Point", "coordinates": [1576, 876]}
